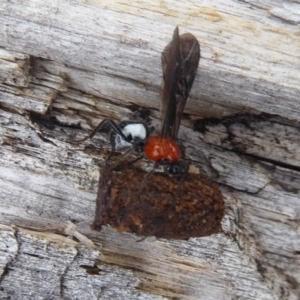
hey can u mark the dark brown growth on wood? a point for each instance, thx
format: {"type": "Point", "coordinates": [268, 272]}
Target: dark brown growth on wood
{"type": "Point", "coordinates": [198, 209]}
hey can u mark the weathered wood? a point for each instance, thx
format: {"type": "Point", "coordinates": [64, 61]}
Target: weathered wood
{"type": "Point", "coordinates": [82, 61]}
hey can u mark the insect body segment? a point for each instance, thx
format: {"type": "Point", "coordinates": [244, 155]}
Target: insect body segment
{"type": "Point", "coordinates": [133, 135]}
{"type": "Point", "coordinates": [160, 148]}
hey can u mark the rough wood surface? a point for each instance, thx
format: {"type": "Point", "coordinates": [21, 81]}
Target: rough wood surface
{"type": "Point", "coordinates": [81, 61]}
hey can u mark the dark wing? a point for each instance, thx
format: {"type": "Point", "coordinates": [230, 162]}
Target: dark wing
{"type": "Point", "coordinates": [189, 59]}
{"type": "Point", "coordinates": [170, 73]}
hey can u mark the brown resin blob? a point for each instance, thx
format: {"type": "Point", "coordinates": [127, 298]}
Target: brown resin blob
{"type": "Point", "coordinates": [160, 209]}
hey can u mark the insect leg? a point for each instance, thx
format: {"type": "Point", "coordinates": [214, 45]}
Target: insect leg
{"type": "Point", "coordinates": [118, 168]}
{"type": "Point", "coordinates": [124, 155]}
{"type": "Point", "coordinates": [90, 136]}
{"type": "Point", "coordinates": [117, 129]}
{"type": "Point", "coordinates": [190, 53]}
{"type": "Point", "coordinates": [146, 178]}
{"type": "Point", "coordinates": [141, 239]}
{"type": "Point", "coordinates": [114, 126]}
{"type": "Point", "coordinates": [109, 156]}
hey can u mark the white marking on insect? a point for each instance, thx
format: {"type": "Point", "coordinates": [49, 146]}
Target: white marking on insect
{"type": "Point", "coordinates": [133, 132]}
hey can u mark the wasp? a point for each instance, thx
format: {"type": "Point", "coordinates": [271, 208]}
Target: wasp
{"type": "Point", "coordinates": [180, 60]}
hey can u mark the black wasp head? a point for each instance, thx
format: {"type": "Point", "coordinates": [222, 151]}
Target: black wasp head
{"type": "Point", "coordinates": [177, 169]}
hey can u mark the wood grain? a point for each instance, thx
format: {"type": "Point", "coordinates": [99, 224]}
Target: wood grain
{"type": "Point", "coordinates": [74, 62]}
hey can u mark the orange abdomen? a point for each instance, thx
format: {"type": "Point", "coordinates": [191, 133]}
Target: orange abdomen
{"type": "Point", "coordinates": [161, 148]}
